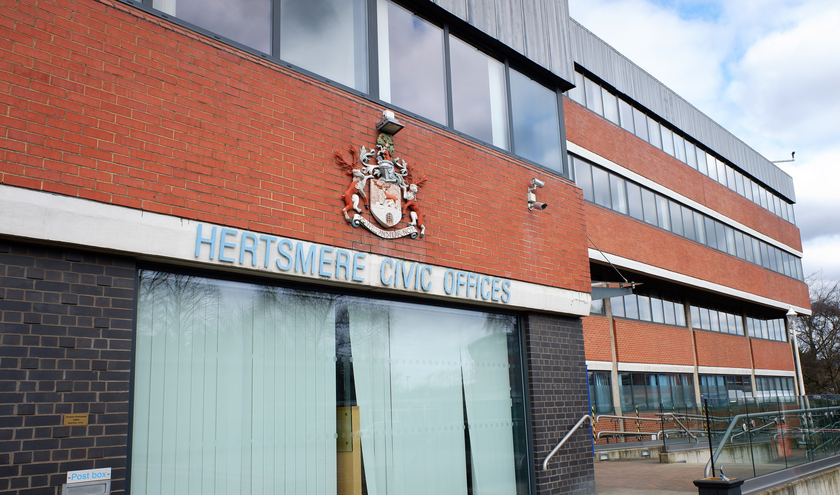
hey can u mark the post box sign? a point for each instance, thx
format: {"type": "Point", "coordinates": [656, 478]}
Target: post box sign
{"type": "Point", "coordinates": [89, 475]}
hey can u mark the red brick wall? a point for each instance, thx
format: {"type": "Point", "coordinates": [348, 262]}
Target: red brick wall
{"type": "Point", "coordinates": [604, 138]}
{"type": "Point", "coordinates": [644, 342]}
{"type": "Point", "coordinates": [596, 338]}
{"type": "Point", "coordinates": [103, 102]}
{"type": "Point", "coordinates": [770, 355]}
{"type": "Point", "coordinates": [720, 349]}
{"type": "Point", "coordinates": [627, 237]}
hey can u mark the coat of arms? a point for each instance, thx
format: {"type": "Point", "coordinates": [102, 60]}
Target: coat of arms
{"type": "Point", "coordinates": [384, 185]}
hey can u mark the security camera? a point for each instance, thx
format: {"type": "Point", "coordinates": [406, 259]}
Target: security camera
{"type": "Point", "coordinates": [537, 204]}
{"type": "Point", "coordinates": [537, 183]}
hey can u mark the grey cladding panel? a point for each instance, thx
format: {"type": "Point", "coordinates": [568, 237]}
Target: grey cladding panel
{"type": "Point", "coordinates": [598, 57]}
{"type": "Point", "coordinates": [538, 29]}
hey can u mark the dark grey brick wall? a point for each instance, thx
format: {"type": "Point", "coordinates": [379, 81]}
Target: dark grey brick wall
{"type": "Point", "coordinates": [557, 384]}
{"type": "Point", "coordinates": [66, 326]}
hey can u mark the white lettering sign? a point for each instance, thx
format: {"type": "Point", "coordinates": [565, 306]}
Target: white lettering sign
{"type": "Point", "coordinates": [89, 475]}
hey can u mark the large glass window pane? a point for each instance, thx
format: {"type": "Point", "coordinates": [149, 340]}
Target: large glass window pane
{"type": "Point", "coordinates": [720, 234]}
{"type": "Point", "coordinates": [679, 147]}
{"type": "Point", "coordinates": [536, 124]}
{"type": "Point", "coordinates": [617, 306]}
{"type": "Point", "coordinates": [748, 191]}
{"type": "Point", "coordinates": [676, 218]}
{"type": "Point", "coordinates": [663, 213]}
{"type": "Point", "coordinates": [577, 93]}
{"type": "Point", "coordinates": [244, 21]}
{"type": "Point", "coordinates": [721, 171]}
{"type": "Point", "coordinates": [639, 391]}
{"type": "Point", "coordinates": [327, 37]}
{"type": "Point", "coordinates": [208, 354]}
{"type": "Point", "coordinates": [705, 319]}
{"type": "Point", "coordinates": [739, 245]}
{"type": "Point", "coordinates": [763, 197]}
{"type": "Point", "coordinates": [730, 178]}
{"type": "Point", "coordinates": [625, 390]}
{"type": "Point", "coordinates": [776, 205]}
{"type": "Point", "coordinates": [619, 194]}
{"type": "Point", "coordinates": [779, 267]}
{"type": "Point", "coordinates": [644, 308]}
{"type": "Point", "coordinates": [757, 251]}
{"type": "Point", "coordinates": [690, 154]}
{"type": "Point", "coordinates": [479, 97]}
{"type": "Point", "coordinates": [748, 253]}
{"type": "Point", "coordinates": [711, 166]}
{"type": "Point", "coordinates": [657, 311]}
{"type": "Point", "coordinates": [714, 320]}
{"type": "Point", "coordinates": [739, 324]}
{"type": "Point", "coordinates": [665, 396]}
{"type": "Point", "coordinates": [730, 240]}
{"type": "Point", "coordinates": [593, 96]}
{"type": "Point", "coordinates": [653, 133]}
{"type": "Point", "coordinates": [701, 162]}
{"type": "Point", "coordinates": [784, 211]}
{"type": "Point", "coordinates": [668, 312]}
{"type": "Point", "coordinates": [739, 183]}
{"type": "Point", "coordinates": [652, 392]}
{"type": "Point", "coordinates": [688, 224]}
{"type": "Point", "coordinates": [695, 316]}
{"type": "Point", "coordinates": [699, 228]}
{"type": "Point", "coordinates": [583, 178]}
{"type": "Point", "coordinates": [631, 307]}
{"type": "Point", "coordinates": [601, 183]}
{"type": "Point", "coordinates": [640, 122]}
{"type": "Point", "coordinates": [649, 205]}
{"type": "Point", "coordinates": [765, 258]}
{"type": "Point", "coordinates": [711, 237]}
{"type": "Point", "coordinates": [411, 72]}
{"type": "Point", "coordinates": [610, 106]}
{"type": "Point", "coordinates": [625, 111]}
{"type": "Point", "coordinates": [667, 141]}
{"type": "Point", "coordinates": [679, 310]}
{"type": "Point", "coordinates": [791, 217]}
{"type": "Point", "coordinates": [634, 201]}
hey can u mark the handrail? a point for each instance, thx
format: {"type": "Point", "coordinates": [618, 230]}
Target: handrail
{"type": "Point", "coordinates": [677, 421]}
{"type": "Point", "coordinates": [569, 434]}
{"type": "Point", "coordinates": [738, 417]}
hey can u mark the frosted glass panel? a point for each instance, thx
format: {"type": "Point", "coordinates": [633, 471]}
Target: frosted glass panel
{"type": "Point", "coordinates": [234, 389]}
{"type": "Point", "coordinates": [417, 372]}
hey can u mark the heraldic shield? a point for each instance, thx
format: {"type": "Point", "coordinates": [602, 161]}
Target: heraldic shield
{"type": "Point", "coordinates": [385, 202]}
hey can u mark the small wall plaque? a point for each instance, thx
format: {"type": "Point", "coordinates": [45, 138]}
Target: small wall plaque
{"type": "Point", "coordinates": [75, 419]}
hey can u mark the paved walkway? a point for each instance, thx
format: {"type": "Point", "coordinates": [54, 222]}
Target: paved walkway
{"type": "Point", "coordinates": [649, 477]}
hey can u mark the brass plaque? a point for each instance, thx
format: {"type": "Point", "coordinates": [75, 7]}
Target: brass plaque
{"type": "Point", "coordinates": [75, 419]}
{"type": "Point", "coordinates": [344, 428]}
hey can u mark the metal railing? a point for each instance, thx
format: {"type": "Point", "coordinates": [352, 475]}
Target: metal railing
{"type": "Point", "coordinates": [777, 419]}
{"type": "Point", "coordinates": [565, 438]}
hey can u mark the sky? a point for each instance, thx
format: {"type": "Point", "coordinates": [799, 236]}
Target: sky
{"type": "Point", "coordinates": [766, 70]}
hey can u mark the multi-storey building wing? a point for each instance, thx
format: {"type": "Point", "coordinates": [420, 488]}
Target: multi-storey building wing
{"type": "Point", "coordinates": [362, 246]}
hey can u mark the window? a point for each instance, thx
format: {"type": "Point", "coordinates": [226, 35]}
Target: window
{"type": "Point", "coordinates": [676, 218]}
{"type": "Point", "coordinates": [600, 391]}
{"type": "Point", "coordinates": [640, 122]}
{"type": "Point", "coordinates": [679, 148]}
{"type": "Point", "coordinates": [619, 196]}
{"type": "Point", "coordinates": [601, 183]}
{"type": "Point", "coordinates": [583, 178]}
{"type": "Point", "coordinates": [250, 380]}
{"type": "Point", "coordinates": [625, 111]}
{"type": "Point", "coordinates": [244, 21]}
{"type": "Point", "coordinates": [536, 123]}
{"type": "Point", "coordinates": [634, 201]}
{"type": "Point", "coordinates": [593, 96]}
{"type": "Point", "coordinates": [329, 38]}
{"type": "Point", "coordinates": [653, 133]}
{"type": "Point", "coordinates": [479, 95]}
{"type": "Point", "coordinates": [647, 391]}
{"type": "Point", "coordinates": [667, 141]}
{"type": "Point", "coordinates": [413, 78]}
{"type": "Point", "coordinates": [610, 106]}
{"type": "Point", "coordinates": [649, 205]}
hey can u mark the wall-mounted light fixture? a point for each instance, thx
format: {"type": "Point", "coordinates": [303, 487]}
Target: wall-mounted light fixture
{"type": "Point", "coordinates": [532, 198]}
{"type": "Point", "coordinates": [389, 123]}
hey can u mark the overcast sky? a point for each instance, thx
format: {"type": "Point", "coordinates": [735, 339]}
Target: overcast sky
{"type": "Point", "coordinates": [767, 70]}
